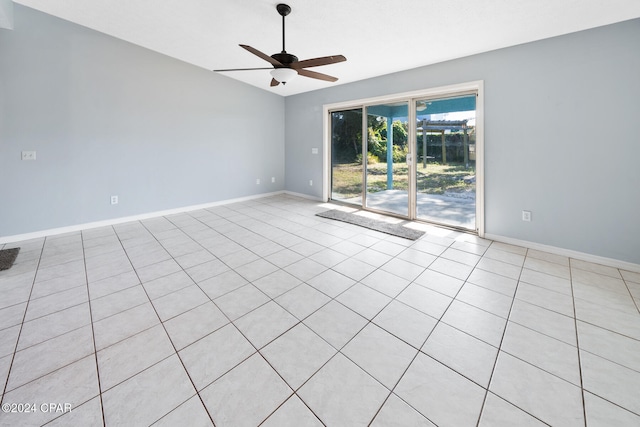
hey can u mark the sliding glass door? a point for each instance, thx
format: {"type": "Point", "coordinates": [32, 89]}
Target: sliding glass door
{"type": "Point", "coordinates": [414, 158]}
{"type": "Point", "coordinates": [445, 143]}
{"type": "Point", "coordinates": [387, 146]}
{"type": "Point", "coordinates": [346, 156]}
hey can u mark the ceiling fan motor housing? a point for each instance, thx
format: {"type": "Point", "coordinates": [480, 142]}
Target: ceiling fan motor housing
{"type": "Point", "coordinates": [284, 58]}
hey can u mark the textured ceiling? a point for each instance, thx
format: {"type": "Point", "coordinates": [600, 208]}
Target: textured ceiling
{"type": "Point", "coordinates": [377, 37]}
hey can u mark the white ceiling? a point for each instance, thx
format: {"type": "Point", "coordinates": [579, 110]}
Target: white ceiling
{"type": "Point", "coordinates": [377, 37]}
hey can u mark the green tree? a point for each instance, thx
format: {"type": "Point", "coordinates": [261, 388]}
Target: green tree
{"type": "Point", "coordinates": [346, 135]}
{"type": "Point", "coordinates": [400, 133]}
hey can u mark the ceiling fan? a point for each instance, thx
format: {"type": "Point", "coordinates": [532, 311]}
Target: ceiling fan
{"type": "Point", "coordinates": [285, 65]}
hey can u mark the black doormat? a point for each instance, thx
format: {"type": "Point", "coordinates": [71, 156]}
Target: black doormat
{"type": "Point", "coordinates": [373, 224]}
{"type": "Point", "coordinates": [7, 257]}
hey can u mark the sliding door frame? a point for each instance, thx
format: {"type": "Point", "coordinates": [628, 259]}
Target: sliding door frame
{"type": "Point", "coordinates": [445, 91]}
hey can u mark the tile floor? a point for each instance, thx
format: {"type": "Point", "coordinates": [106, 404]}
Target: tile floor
{"type": "Point", "coordinates": [260, 313]}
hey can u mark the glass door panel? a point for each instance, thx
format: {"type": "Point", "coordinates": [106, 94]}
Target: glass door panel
{"type": "Point", "coordinates": [445, 161]}
{"type": "Point", "coordinates": [387, 172]}
{"type": "Point", "coordinates": [346, 156]}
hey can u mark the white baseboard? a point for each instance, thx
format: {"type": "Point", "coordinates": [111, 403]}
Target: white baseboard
{"type": "Point", "coordinates": [624, 265]}
{"type": "Point", "coordinates": [114, 221]}
{"type": "Point", "coordinates": [611, 262]}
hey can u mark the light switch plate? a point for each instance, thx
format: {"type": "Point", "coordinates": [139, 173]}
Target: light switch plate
{"type": "Point", "coordinates": [314, 151]}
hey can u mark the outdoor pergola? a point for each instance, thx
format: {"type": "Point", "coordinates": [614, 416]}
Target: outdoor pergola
{"type": "Point", "coordinates": [441, 126]}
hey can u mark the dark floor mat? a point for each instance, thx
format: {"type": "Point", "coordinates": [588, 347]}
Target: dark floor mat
{"type": "Point", "coordinates": [373, 224]}
{"type": "Point", "coordinates": [7, 258]}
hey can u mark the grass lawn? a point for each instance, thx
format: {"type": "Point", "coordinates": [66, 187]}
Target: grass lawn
{"type": "Point", "coordinates": [435, 179]}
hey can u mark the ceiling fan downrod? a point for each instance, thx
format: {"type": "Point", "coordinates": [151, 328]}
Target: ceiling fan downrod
{"type": "Point", "coordinates": [285, 59]}
{"type": "Point", "coordinates": [283, 10]}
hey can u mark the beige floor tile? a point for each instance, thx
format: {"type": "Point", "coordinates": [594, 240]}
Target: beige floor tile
{"type": "Point", "coordinates": [241, 301]}
{"type": "Point", "coordinates": [191, 413]}
{"type": "Point", "coordinates": [611, 381]}
{"type": "Point", "coordinates": [178, 302]}
{"type": "Point", "coordinates": [547, 281]}
{"type": "Point", "coordinates": [397, 413]}
{"type": "Point", "coordinates": [123, 325]}
{"type": "Point", "coordinates": [129, 357]}
{"type": "Point", "coordinates": [293, 413]}
{"type": "Point", "coordinates": [298, 354]}
{"type": "Point", "coordinates": [387, 283]}
{"type": "Point", "coordinates": [194, 324]}
{"type": "Point", "coordinates": [342, 394]}
{"type": "Point", "coordinates": [445, 397]}
{"type": "Point", "coordinates": [541, 394]}
{"type": "Point", "coordinates": [427, 301]}
{"type": "Point", "coordinates": [461, 352]}
{"type": "Point", "coordinates": [66, 388]}
{"type": "Point", "coordinates": [379, 353]}
{"type": "Point", "coordinates": [335, 323]}
{"type": "Point", "coordinates": [211, 357]}
{"type": "Point", "coordinates": [43, 358]}
{"type": "Point", "coordinates": [407, 323]}
{"type": "Point", "coordinates": [252, 384]}
{"type": "Point", "coordinates": [148, 396]}
{"type": "Point", "coordinates": [88, 414]}
{"type": "Point", "coordinates": [363, 300]}
{"type": "Point", "coordinates": [602, 413]}
{"type": "Point", "coordinates": [302, 300]}
{"type": "Point", "coordinates": [498, 412]}
{"type": "Point", "coordinates": [549, 354]}
{"type": "Point", "coordinates": [265, 323]}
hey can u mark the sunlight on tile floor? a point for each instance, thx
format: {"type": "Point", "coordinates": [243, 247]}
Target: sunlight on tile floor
{"type": "Point", "coordinates": [260, 313]}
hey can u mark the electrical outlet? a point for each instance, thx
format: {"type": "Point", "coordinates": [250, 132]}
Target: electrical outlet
{"type": "Point", "coordinates": [273, 179]}
{"type": "Point", "coordinates": [258, 181]}
{"type": "Point", "coordinates": [311, 182]}
{"type": "Point", "coordinates": [114, 200]}
{"type": "Point", "coordinates": [28, 155]}
{"type": "Point", "coordinates": [526, 216]}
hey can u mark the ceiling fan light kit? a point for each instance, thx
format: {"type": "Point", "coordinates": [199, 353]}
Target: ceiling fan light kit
{"type": "Point", "coordinates": [285, 65]}
{"type": "Point", "coordinates": [283, 75]}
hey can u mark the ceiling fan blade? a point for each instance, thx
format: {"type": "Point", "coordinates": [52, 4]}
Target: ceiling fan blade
{"type": "Point", "coordinates": [315, 75]}
{"type": "Point", "coordinates": [261, 55]}
{"type": "Point", "coordinates": [316, 62]}
{"type": "Point", "coordinates": [274, 82]}
{"type": "Point", "coordinates": [244, 69]}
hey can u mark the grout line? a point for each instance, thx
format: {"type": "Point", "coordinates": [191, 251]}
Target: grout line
{"type": "Point", "coordinates": [504, 332]}
{"type": "Point", "coordinates": [93, 333]}
{"type": "Point", "coordinates": [630, 294]}
{"type": "Point", "coordinates": [575, 325]}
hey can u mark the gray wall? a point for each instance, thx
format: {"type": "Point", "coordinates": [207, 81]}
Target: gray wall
{"type": "Point", "coordinates": [109, 118]}
{"type": "Point", "coordinates": [561, 136]}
